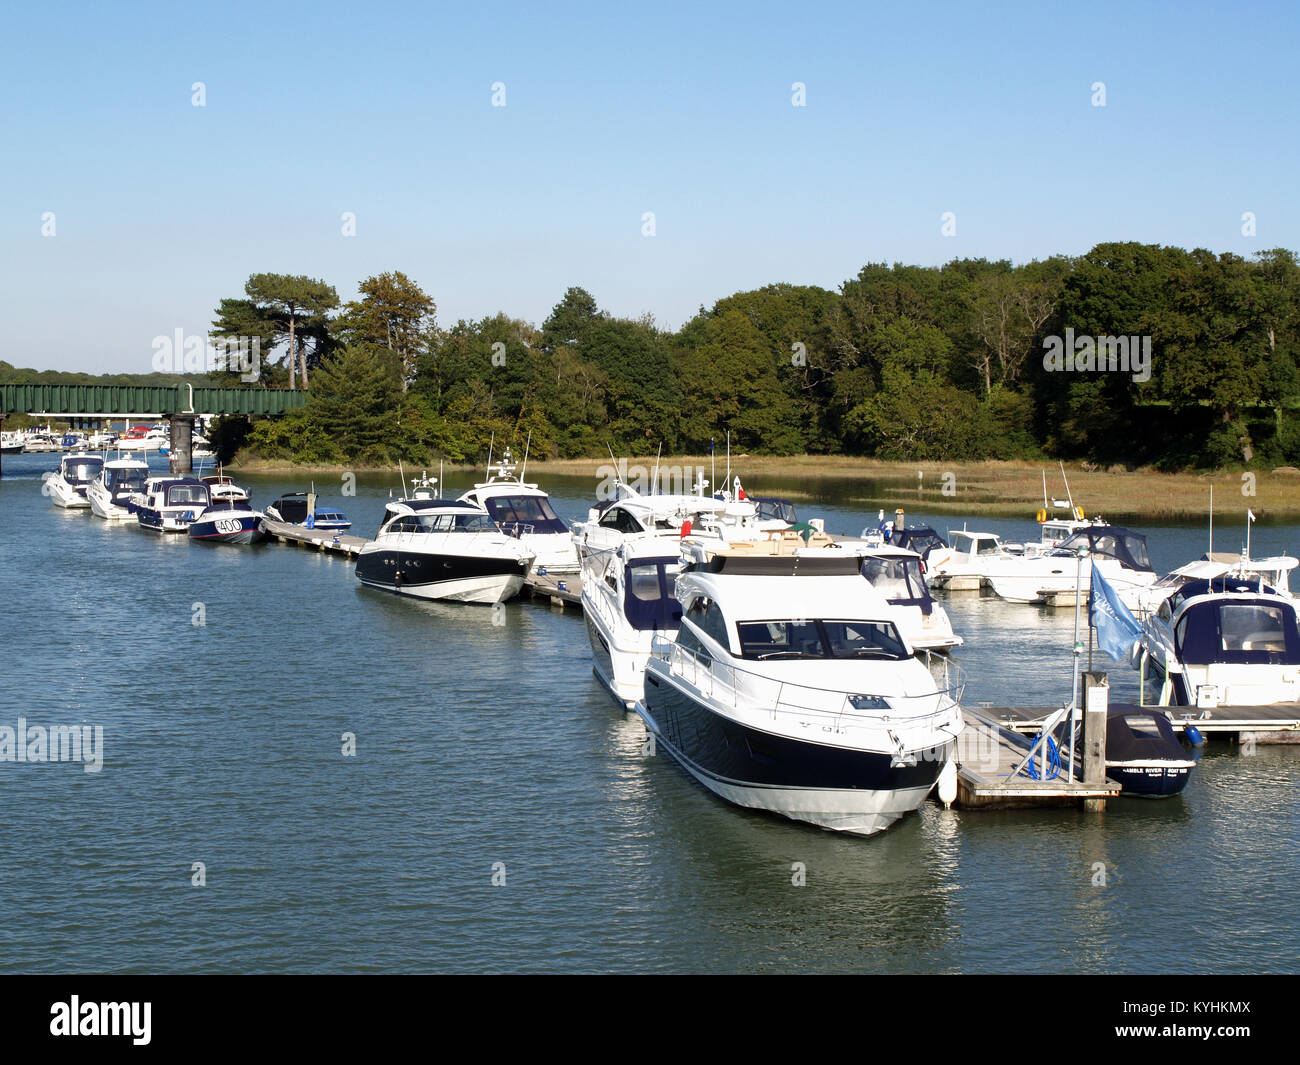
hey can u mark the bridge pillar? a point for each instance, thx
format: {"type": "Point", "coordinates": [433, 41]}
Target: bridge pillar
{"type": "Point", "coordinates": [181, 458]}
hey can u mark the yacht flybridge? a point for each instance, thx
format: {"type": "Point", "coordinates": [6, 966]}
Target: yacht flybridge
{"type": "Point", "coordinates": [443, 549]}
{"type": "Point", "coordinates": [670, 517]}
{"type": "Point", "coordinates": [789, 688]}
{"type": "Point", "coordinates": [524, 511]}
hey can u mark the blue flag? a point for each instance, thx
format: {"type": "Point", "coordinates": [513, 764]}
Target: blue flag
{"type": "Point", "coordinates": [1117, 628]}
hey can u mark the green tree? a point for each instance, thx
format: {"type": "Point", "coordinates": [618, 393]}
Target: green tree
{"type": "Point", "coordinates": [393, 313]}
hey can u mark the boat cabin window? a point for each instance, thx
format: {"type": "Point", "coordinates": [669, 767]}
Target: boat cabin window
{"type": "Point", "coordinates": [184, 494]}
{"type": "Point", "coordinates": [525, 510]}
{"type": "Point", "coordinates": [820, 639]}
{"type": "Point", "coordinates": [707, 616]}
{"type": "Point", "coordinates": [619, 519]}
{"type": "Point", "coordinates": [986, 547]}
{"type": "Point", "coordinates": [1238, 632]}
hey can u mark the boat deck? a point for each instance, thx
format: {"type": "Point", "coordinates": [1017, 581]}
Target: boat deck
{"type": "Point", "coordinates": [1281, 718]}
{"type": "Point", "coordinates": [988, 752]}
{"type": "Point", "coordinates": [322, 540]}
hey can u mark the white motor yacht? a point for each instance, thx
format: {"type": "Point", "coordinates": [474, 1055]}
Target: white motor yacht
{"type": "Point", "coordinates": [524, 511]}
{"type": "Point", "coordinates": [76, 473]}
{"type": "Point", "coordinates": [1120, 555]}
{"type": "Point", "coordinates": [789, 688]}
{"type": "Point", "coordinates": [628, 601]}
{"type": "Point", "coordinates": [443, 549]}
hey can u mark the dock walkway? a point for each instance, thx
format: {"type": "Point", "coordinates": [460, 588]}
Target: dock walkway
{"type": "Point", "coordinates": [322, 540]}
{"type": "Point", "coordinates": [562, 589]}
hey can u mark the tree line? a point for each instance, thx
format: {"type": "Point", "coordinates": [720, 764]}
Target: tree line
{"type": "Point", "coordinates": [964, 361]}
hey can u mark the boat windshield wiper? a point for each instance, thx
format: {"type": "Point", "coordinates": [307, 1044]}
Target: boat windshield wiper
{"type": "Point", "coordinates": [786, 654]}
{"type": "Point", "coordinates": [866, 652]}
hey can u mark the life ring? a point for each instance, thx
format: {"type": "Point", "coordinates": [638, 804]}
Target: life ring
{"type": "Point", "coordinates": [1042, 516]}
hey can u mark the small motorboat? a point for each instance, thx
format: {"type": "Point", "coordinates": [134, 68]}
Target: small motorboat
{"type": "Point", "coordinates": [1143, 754]}
{"type": "Point", "coordinates": [170, 504]}
{"type": "Point", "coordinates": [68, 487]}
{"type": "Point", "coordinates": [299, 508]}
{"type": "Point", "coordinates": [112, 497]}
{"type": "Point", "coordinates": [228, 522]}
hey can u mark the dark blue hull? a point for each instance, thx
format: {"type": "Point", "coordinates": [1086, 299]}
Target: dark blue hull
{"type": "Point", "coordinates": [1152, 781]}
{"type": "Point", "coordinates": [229, 529]}
{"type": "Point", "coordinates": [840, 788]}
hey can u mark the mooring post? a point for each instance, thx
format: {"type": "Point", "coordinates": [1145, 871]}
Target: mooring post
{"type": "Point", "coordinates": [182, 448]}
{"type": "Point", "coordinates": [1096, 702]}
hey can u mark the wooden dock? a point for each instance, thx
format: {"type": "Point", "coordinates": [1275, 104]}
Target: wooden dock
{"type": "Point", "coordinates": [562, 590]}
{"type": "Point", "coordinates": [988, 752]}
{"type": "Point", "coordinates": [1278, 723]}
{"type": "Point", "coordinates": [322, 540]}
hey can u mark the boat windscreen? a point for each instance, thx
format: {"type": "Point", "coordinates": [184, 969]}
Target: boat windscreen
{"type": "Point", "coordinates": [922, 540]}
{"type": "Point", "coordinates": [82, 471]}
{"type": "Point", "coordinates": [1129, 548]}
{"type": "Point", "coordinates": [820, 639]}
{"type": "Point", "coordinates": [1238, 631]}
{"type": "Point", "coordinates": [771, 509]}
{"type": "Point", "coordinates": [899, 579]}
{"type": "Point", "coordinates": [513, 511]}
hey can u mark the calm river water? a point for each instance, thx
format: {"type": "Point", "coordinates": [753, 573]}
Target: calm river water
{"type": "Point", "coordinates": [479, 744]}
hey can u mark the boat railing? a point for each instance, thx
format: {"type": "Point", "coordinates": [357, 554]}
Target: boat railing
{"type": "Point", "coordinates": [834, 709]}
{"type": "Point", "coordinates": [515, 528]}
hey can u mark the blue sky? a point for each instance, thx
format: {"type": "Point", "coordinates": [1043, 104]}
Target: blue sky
{"type": "Point", "coordinates": [385, 110]}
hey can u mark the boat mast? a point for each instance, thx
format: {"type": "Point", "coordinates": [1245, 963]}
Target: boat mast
{"type": "Point", "coordinates": [528, 441]}
{"type": "Point", "coordinates": [1210, 553]}
{"type": "Point", "coordinates": [1068, 497]}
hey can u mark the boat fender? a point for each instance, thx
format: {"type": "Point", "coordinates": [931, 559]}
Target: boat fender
{"type": "Point", "coordinates": [686, 527]}
{"type": "Point", "coordinates": [948, 782]}
{"type": "Point", "coordinates": [1042, 516]}
{"type": "Point", "coordinates": [1194, 736]}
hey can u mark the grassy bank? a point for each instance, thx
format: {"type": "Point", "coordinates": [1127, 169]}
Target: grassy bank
{"type": "Point", "coordinates": [1003, 489]}
{"type": "Point", "coordinates": [1000, 489]}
